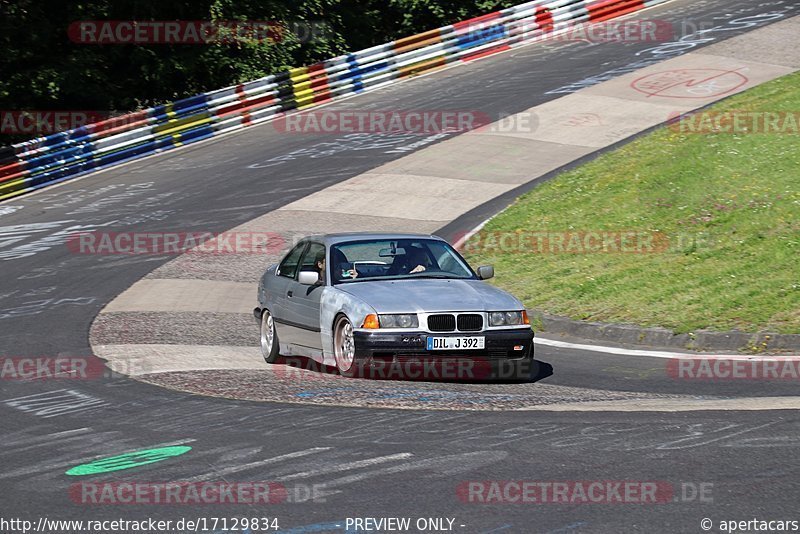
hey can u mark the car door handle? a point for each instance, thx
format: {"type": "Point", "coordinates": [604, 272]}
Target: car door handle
{"type": "Point", "coordinates": [289, 294]}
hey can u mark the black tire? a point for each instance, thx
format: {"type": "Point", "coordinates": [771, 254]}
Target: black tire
{"type": "Point", "coordinates": [270, 347]}
{"type": "Point", "coordinates": [344, 347]}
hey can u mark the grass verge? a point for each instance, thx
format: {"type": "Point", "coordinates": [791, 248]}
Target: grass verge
{"type": "Point", "coordinates": [715, 218]}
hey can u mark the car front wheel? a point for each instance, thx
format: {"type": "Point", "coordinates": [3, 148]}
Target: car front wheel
{"type": "Point", "coordinates": [344, 347]}
{"type": "Point", "coordinates": [269, 338]}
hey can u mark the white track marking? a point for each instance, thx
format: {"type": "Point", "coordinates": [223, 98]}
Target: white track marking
{"type": "Point", "coordinates": [347, 466]}
{"type": "Point", "coordinates": [658, 354]}
{"type": "Point", "coordinates": [221, 473]}
{"type": "Point", "coordinates": [445, 466]}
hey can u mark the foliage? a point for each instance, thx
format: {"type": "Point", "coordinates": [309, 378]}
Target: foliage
{"type": "Point", "coordinates": [42, 69]}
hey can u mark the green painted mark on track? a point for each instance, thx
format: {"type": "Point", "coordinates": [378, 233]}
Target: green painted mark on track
{"type": "Point", "coordinates": [128, 461]}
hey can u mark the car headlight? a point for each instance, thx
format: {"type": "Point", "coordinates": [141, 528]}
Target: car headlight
{"type": "Point", "coordinates": [508, 318]}
{"type": "Point", "coordinates": [399, 320]}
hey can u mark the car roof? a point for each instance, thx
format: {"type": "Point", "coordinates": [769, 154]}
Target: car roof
{"type": "Point", "coordinates": [334, 239]}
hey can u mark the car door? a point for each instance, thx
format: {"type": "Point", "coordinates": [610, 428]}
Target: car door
{"type": "Point", "coordinates": [302, 301]}
{"type": "Point", "coordinates": [280, 286]}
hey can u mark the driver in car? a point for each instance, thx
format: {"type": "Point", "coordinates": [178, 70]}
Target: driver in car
{"type": "Point", "coordinates": [413, 261]}
{"type": "Point", "coordinates": [418, 258]}
{"type": "Point", "coordinates": [339, 260]}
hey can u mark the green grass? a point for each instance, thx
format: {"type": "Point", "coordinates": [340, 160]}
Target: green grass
{"type": "Point", "coordinates": [728, 204]}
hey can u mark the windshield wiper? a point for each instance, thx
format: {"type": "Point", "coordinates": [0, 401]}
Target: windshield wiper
{"type": "Point", "coordinates": [434, 275]}
{"type": "Point", "coordinates": [411, 276]}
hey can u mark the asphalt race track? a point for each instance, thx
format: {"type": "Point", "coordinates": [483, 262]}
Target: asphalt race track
{"type": "Point", "coordinates": [364, 462]}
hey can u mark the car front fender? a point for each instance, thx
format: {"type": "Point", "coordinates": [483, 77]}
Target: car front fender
{"type": "Point", "coordinates": [332, 303]}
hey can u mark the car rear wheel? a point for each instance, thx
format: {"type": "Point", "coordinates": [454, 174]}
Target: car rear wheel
{"type": "Point", "coordinates": [269, 338]}
{"type": "Point", "coordinates": [344, 347]}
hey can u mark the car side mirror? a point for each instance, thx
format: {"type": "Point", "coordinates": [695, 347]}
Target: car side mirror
{"type": "Point", "coordinates": [308, 278]}
{"type": "Point", "coordinates": [485, 272]}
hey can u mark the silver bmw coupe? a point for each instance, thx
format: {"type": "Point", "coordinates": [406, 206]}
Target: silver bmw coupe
{"type": "Point", "coordinates": [358, 299]}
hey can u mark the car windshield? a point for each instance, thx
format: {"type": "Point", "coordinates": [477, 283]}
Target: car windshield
{"type": "Point", "coordinates": [393, 259]}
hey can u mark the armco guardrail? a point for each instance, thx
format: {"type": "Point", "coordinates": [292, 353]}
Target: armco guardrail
{"type": "Point", "coordinates": [44, 161]}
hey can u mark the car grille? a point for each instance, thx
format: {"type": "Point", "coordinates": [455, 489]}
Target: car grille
{"type": "Point", "coordinates": [446, 322]}
{"type": "Point", "coordinates": [470, 322]}
{"type": "Point", "coordinates": [441, 323]}
{"type": "Point", "coordinates": [497, 354]}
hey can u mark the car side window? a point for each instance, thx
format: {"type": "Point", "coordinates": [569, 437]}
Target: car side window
{"type": "Point", "coordinates": [315, 253]}
{"type": "Point", "coordinates": [288, 266]}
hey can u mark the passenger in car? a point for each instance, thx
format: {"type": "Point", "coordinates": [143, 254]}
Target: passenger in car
{"type": "Point", "coordinates": [319, 263]}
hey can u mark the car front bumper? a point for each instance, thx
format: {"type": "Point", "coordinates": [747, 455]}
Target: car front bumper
{"type": "Point", "coordinates": [506, 353]}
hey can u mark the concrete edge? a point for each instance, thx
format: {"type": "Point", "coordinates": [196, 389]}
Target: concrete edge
{"type": "Point", "coordinates": [668, 405]}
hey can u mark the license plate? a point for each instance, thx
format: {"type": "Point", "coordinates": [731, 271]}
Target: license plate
{"type": "Point", "coordinates": [456, 343]}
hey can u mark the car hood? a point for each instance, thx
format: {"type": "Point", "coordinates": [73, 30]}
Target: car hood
{"type": "Point", "coordinates": [426, 295]}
